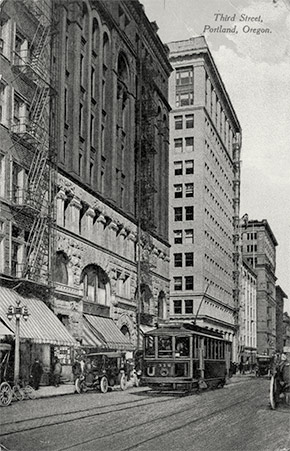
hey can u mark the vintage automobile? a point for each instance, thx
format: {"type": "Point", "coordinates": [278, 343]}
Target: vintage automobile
{"type": "Point", "coordinates": [101, 371]}
{"type": "Point", "coordinates": [280, 382]}
{"type": "Point", "coordinates": [263, 365]}
{"type": "Point", "coordinates": [5, 388]}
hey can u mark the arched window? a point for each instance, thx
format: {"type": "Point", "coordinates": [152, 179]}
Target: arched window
{"type": "Point", "coordinates": [105, 50]}
{"type": "Point", "coordinates": [95, 284]}
{"type": "Point", "coordinates": [162, 305]}
{"type": "Point", "coordinates": [59, 268]}
{"type": "Point", "coordinates": [125, 331]}
{"type": "Point", "coordinates": [95, 36]}
{"type": "Point", "coordinates": [146, 296]}
{"type": "Point", "coordinates": [122, 92]}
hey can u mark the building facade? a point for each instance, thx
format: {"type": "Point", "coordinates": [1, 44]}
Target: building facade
{"type": "Point", "coordinates": [286, 331]}
{"type": "Point", "coordinates": [280, 296]}
{"type": "Point", "coordinates": [259, 249]}
{"type": "Point", "coordinates": [248, 315]}
{"type": "Point", "coordinates": [84, 156]}
{"type": "Point", "coordinates": [205, 141]}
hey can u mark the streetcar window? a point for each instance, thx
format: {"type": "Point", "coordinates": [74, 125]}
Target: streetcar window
{"type": "Point", "coordinates": [164, 346]}
{"type": "Point", "coordinates": [149, 345]}
{"type": "Point", "coordinates": [181, 346]}
{"type": "Point", "coordinates": [223, 350]}
{"type": "Point", "coordinates": [195, 346]}
{"type": "Point", "coordinates": [216, 352]}
{"type": "Point", "coordinates": [181, 370]}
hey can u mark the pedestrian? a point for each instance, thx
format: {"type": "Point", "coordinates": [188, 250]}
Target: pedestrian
{"type": "Point", "coordinates": [241, 367]}
{"type": "Point", "coordinates": [36, 373]}
{"type": "Point", "coordinates": [76, 369]}
{"type": "Point", "coordinates": [57, 372]}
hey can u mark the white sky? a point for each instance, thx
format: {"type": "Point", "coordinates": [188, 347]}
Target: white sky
{"type": "Point", "coordinates": [256, 72]}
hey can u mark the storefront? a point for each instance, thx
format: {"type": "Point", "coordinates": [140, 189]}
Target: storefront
{"type": "Point", "coordinates": [42, 336]}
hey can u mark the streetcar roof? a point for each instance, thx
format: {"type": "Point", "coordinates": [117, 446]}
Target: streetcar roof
{"type": "Point", "coordinates": [185, 329]}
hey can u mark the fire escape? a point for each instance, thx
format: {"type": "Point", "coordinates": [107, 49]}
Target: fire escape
{"type": "Point", "coordinates": [146, 113]}
{"type": "Point", "coordinates": [36, 134]}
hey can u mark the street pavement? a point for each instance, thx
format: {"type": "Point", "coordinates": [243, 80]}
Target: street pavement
{"type": "Point", "coordinates": [235, 418]}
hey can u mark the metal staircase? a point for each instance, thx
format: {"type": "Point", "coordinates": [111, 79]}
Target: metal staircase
{"type": "Point", "coordinates": [37, 203]}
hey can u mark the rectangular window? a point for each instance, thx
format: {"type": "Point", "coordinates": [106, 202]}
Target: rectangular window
{"type": "Point", "coordinates": [93, 83]}
{"type": "Point", "coordinates": [177, 305]}
{"type": "Point", "coordinates": [177, 283]}
{"type": "Point", "coordinates": [189, 167]}
{"type": "Point", "coordinates": [81, 119]}
{"type": "Point", "coordinates": [178, 214]}
{"type": "Point", "coordinates": [178, 145]}
{"type": "Point", "coordinates": [16, 188]}
{"type": "Point", "coordinates": [82, 60]}
{"type": "Point", "coordinates": [188, 238]}
{"type": "Point", "coordinates": [189, 120]}
{"type": "Point", "coordinates": [2, 176]}
{"type": "Point", "coordinates": [80, 163]}
{"type": "Point", "coordinates": [65, 106]}
{"type": "Point", "coordinates": [178, 122]}
{"type": "Point", "coordinates": [189, 213]}
{"type": "Point", "coordinates": [177, 236]}
{"type": "Point", "coordinates": [2, 103]}
{"type": "Point", "coordinates": [184, 99]}
{"type": "Point", "coordinates": [189, 259]}
{"type": "Point", "coordinates": [15, 250]}
{"type": "Point", "coordinates": [91, 172]}
{"type": "Point", "coordinates": [189, 190]}
{"type": "Point", "coordinates": [189, 282]}
{"type": "Point", "coordinates": [92, 130]}
{"type": "Point", "coordinates": [178, 168]}
{"type": "Point", "coordinates": [189, 144]}
{"type": "Point", "coordinates": [178, 260]}
{"type": "Point", "coordinates": [184, 76]}
{"type": "Point", "coordinates": [188, 306]}
{"type": "Point", "coordinates": [178, 191]}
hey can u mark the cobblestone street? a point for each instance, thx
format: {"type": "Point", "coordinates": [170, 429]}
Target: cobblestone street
{"type": "Point", "coordinates": [237, 417]}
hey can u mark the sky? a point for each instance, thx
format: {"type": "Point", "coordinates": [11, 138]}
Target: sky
{"type": "Point", "coordinates": [255, 68]}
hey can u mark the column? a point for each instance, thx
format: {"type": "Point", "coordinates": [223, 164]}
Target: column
{"type": "Point", "coordinates": [88, 223]}
{"type": "Point", "coordinates": [60, 198]}
{"type": "Point", "coordinates": [74, 215]}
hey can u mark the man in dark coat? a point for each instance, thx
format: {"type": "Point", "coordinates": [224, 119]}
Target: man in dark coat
{"type": "Point", "coordinates": [36, 373]}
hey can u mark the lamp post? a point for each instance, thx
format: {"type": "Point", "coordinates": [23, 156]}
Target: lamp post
{"type": "Point", "coordinates": [19, 312]}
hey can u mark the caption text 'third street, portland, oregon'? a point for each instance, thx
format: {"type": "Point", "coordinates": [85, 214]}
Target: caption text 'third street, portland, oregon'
{"type": "Point", "coordinates": [250, 24]}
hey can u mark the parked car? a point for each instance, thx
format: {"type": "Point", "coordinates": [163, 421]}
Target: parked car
{"type": "Point", "coordinates": [101, 371]}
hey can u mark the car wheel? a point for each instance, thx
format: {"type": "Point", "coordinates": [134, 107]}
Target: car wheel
{"type": "Point", "coordinates": [123, 382]}
{"type": "Point", "coordinates": [104, 385]}
{"type": "Point", "coordinates": [80, 386]}
{"type": "Point", "coordinates": [5, 394]}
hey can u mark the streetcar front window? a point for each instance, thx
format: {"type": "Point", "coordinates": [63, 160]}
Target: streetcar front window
{"type": "Point", "coordinates": [149, 346]}
{"type": "Point", "coordinates": [182, 347]}
{"type": "Point", "coordinates": [164, 346]}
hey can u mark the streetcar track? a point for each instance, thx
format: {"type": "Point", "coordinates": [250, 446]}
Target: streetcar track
{"type": "Point", "coordinates": [160, 418]}
{"type": "Point", "coordinates": [70, 420]}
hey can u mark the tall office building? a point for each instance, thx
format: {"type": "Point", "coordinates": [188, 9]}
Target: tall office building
{"type": "Point", "coordinates": [259, 249]}
{"type": "Point", "coordinates": [204, 180]}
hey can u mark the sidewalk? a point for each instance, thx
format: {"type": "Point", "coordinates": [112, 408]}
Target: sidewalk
{"type": "Point", "coordinates": [48, 391]}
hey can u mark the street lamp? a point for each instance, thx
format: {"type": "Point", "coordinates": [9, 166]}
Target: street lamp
{"type": "Point", "coordinates": [17, 311]}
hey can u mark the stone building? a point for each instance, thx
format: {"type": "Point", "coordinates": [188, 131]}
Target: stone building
{"type": "Point", "coordinates": [248, 315]}
{"type": "Point", "coordinates": [286, 330]}
{"type": "Point", "coordinates": [259, 249]}
{"type": "Point", "coordinates": [205, 141]}
{"type": "Point", "coordinates": [84, 159]}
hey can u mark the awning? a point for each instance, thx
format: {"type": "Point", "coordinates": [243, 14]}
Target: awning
{"type": "Point", "coordinates": [4, 330]}
{"type": "Point", "coordinates": [106, 332]}
{"type": "Point", "coordinates": [144, 328]}
{"type": "Point", "coordinates": [42, 325]}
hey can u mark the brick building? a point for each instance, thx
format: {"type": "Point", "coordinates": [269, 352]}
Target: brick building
{"type": "Point", "coordinates": [259, 249]}
{"type": "Point", "coordinates": [280, 296]}
{"type": "Point", "coordinates": [205, 140]}
{"type": "Point", "coordinates": [84, 156]}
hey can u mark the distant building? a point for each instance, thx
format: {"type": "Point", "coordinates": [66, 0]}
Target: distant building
{"type": "Point", "coordinates": [286, 330]}
{"type": "Point", "coordinates": [248, 314]}
{"type": "Point", "coordinates": [205, 142]}
{"type": "Point", "coordinates": [259, 249]}
{"type": "Point", "coordinates": [280, 296]}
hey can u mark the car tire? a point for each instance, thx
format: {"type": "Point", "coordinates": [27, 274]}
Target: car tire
{"type": "Point", "coordinates": [104, 384]}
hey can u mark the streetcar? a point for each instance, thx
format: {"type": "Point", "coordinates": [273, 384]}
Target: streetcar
{"type": "Point", "coordinates": [5, 388]}
{"type": "Point", "coordinates": [185, 357]}
{"type": "Point", "coordinates": [280, 381]}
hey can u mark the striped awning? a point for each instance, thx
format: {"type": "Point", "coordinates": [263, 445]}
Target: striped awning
{"type": "Point", "coordinates": [106, 332]}
{"type": "Point", "coordinates": [42, 325]}
{"type": "Point", "coordinates": [4, 330]}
